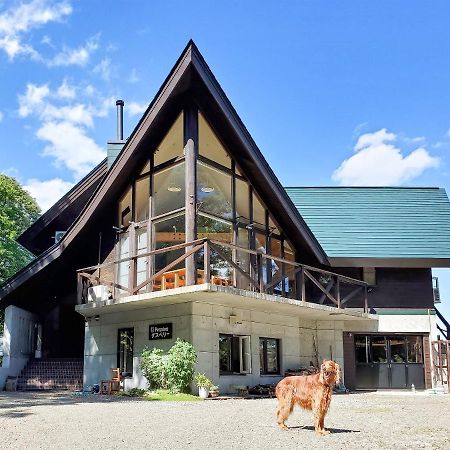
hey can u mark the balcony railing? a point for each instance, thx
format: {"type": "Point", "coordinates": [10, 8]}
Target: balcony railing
{"type": "Point", "coordinates": [222, 264]}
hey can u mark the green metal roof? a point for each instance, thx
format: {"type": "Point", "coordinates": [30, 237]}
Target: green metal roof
{"type": "Point", "coordinates": [377, 222]}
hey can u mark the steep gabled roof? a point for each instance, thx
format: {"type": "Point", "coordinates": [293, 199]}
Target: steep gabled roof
{"type": "Point", "coordinates": [378, 225]}
{"type": "Point", "coordinates": [38, 237]}
{"type": "Point", "coordinates": [189, 75]}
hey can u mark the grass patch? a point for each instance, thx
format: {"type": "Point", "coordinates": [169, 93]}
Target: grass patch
{"type": "Point", "coordinates": [163, 395]}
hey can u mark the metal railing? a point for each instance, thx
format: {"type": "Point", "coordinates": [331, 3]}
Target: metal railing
{"type": "Point", "coordinates": [224, 264]}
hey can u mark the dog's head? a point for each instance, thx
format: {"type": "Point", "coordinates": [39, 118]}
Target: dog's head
{"type": "Point", "coordinates": [330, 373]}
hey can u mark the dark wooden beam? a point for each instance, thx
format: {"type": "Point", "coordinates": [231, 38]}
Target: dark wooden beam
{"type": "Point", "coordinates": [191, 151]}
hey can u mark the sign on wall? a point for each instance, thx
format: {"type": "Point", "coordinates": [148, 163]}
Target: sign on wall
{"type": "Point", "coordinates": [160, 331]}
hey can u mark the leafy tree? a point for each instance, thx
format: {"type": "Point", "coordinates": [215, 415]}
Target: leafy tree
{"type": "Point", "coordinates": [18, 210]}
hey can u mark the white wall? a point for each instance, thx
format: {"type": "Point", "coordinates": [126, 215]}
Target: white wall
{"type": "Point", "coordinates": [100, 342]}
{"type": "Point", "coordinates": [18, 341]}
{"type": "Point", "coordinates": [201, 324]}
{"type": "Point", "coordinates": [296, 335]}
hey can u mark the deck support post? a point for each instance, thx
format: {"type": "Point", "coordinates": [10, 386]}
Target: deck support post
{"type": "Point", "coordinates": [190, 151]}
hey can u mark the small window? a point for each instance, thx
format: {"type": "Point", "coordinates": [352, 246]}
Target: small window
{"type": "Point", "coordinates": [234, 354]}
{"type": "Point", "coordinates": [125, 352]}
{"type": "Point", "coordinates": [269, 356]}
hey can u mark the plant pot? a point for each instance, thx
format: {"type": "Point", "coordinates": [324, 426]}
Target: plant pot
{"type": "Point", "coordinates": [203, 392]}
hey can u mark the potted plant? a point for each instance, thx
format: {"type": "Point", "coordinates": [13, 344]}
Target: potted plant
{"type": "Point", "coordinates": [214, 391]}
{"type": "Point", "coordinates": [203, 383]}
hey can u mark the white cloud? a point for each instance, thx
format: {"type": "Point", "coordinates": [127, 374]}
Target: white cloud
{"type": "Point", "coordinates": [104, 69]}
{"type": "Point", "coordinates": [20, 18]}
{"type": "Point", "coordinates": [378, 162]}
{"type": "Point", "coordinates": [134, 108]}
{"type": "Point", "coordinates": [1, 116]}
{"type": "Point", "coordinates": [70, 146]}
{"type": "Point", "coordinates": [79, 56]}
{"type": "Point", "coordinates": [47, 192]}
{"type": "Point", "coordinates": [133, 77]}
{"type": "Point", "coordinates": [66, 91]}
{"type": "Point", "coordinates": [64, 124]}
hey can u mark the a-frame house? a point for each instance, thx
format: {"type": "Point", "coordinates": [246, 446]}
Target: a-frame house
{"type": "Point", "coordinates": [185, 231]}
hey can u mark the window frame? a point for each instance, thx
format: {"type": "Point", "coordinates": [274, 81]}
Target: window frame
{"type": "Point", "coordinates": [125, 373]}
{"type": "Point", "coordinates": [245, 358]}
{"type": "Point", "coordinates": [263, 370]}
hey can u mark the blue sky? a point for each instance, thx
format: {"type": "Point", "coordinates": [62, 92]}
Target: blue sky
{"type": "Point", "coordinates": [333, 92]}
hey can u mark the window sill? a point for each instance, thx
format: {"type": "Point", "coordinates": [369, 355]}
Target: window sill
{"type": "Point", "coordinates": [230, 374]}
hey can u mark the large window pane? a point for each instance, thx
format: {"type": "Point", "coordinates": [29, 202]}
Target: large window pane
{"type": "Point", "coordinates": [214, 191]}
{"type": "Point", "coordinates": [172, 144]}
{"type": "Point", "coordinates": [209, 145]}
{"type": "Point", "coordinates": [379, 353]}
{"type": "Point", "coordinates": [414, 344]}
{"type": "Point", "coordinates": [242, 197]}
{"type": "Point", "coordinates": [169, 232]}
{"type": "Point", "coordinates": [221, 270]}
{"type": "Point", "coordinates": [362, 349]}
{"type": "Point", "coordinates": [169, 190]}
{"type": "Point", "coordinates": [142, 191]}
{"type": "Point", "coordinates": [125, 209]}
{"type": "Point", "coordinates": [398, 349]}
{"type": "Point", "coordinates": [259, 213]}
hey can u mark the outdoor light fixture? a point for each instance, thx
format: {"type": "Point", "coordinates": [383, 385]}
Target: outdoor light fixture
{"type": "Point", "coordinates": [97, 318]}
{"type": "Point", "coordinates": [173, 188]}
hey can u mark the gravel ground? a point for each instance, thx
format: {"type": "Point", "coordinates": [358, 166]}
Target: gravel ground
{"type": "Point", "coordinates": [356, 421]}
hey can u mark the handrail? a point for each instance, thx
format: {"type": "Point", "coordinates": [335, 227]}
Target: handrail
{"type": "Point", "coordinates": [296, 285]}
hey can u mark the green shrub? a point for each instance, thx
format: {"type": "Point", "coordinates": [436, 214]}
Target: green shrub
{"type": "Point", "coordinates": [201, 380]}
{"type": "Point", "coordinates": [173, 371]}
{"type": "Point", "coordinates": [136, 392]}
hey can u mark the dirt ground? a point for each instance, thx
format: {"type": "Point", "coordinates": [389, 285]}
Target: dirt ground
{"type": "Point", "coordinates": [356, 421]}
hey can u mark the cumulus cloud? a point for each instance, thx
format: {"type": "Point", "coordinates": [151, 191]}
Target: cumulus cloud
{"type": "Point", "coordinates": [70, 146]}
{"type": "Point", "coordinates": [64, 124]}
{"type": "Point", "coordinates": [1, 116]}
{"type": "Point", "coordinates": [379, 162]}
{"type": "Point", "coordinates": [20, 18]}
{"type": "Point", "coordinates": [134, 108]}
{"type": "Point", "coordinates": [78, 56]}
{"type": "Point", "coordinates": [47, 192]}
{"type": "Point", "coordinates": [104, 69]}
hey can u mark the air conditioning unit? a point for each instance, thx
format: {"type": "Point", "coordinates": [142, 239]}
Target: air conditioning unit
{"type": "Point", "coordinates": [98, 293]}
{"type": "Point", "coordinates": [436, 293]}
{"type": "Point", "coordinates": [59, 235]}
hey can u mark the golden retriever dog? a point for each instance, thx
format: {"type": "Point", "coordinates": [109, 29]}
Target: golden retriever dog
{"type": "Point", "coordinates": [311, 392]}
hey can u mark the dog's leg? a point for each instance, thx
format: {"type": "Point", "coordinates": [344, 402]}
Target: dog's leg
{"type": "Point", "coordinates": [285, 407]}
{"type": "Point", "coordinates": [322, 425]}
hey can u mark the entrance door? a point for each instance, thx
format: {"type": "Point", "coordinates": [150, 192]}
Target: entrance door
{"type": "Point", "coordinates": [389, 362]}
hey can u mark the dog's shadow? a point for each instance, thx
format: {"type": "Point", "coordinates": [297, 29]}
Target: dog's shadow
{"type": "Point", "coordinates": [331, 430]}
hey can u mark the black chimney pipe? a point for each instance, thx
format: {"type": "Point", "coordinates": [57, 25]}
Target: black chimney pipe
{"type": "Point", "coordinates": [120, 104]}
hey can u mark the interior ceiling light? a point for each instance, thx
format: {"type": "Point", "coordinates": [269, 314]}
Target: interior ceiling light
{"type": "Point", "coordinates": [173, 188]}
{"type": "Point", "coordinates": [207, 189]}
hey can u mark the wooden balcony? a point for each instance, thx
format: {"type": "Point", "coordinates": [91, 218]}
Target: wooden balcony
{"type": "Point", "coordinates": [222, 264]}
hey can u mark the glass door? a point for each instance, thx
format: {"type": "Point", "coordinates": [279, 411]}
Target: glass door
{"type": "Point", "coordinates": [397, 361]}
{"type": "Point", "coordinates": [123, 268]}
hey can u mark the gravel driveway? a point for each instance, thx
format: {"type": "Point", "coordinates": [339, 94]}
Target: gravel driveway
{"type": "Point", "coordinates": [369, 421]}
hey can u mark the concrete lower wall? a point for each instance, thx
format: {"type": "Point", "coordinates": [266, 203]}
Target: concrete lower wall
{"type": "Point", "coordinates": [18, 341]}
{"type": "Point", "coordinates": [201, 324]}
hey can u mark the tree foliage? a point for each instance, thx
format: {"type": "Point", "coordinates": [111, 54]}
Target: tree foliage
{"type": "Point", "coordinates": [18, 210]}
{"type": "Point", "coordinates": [173, 370]}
